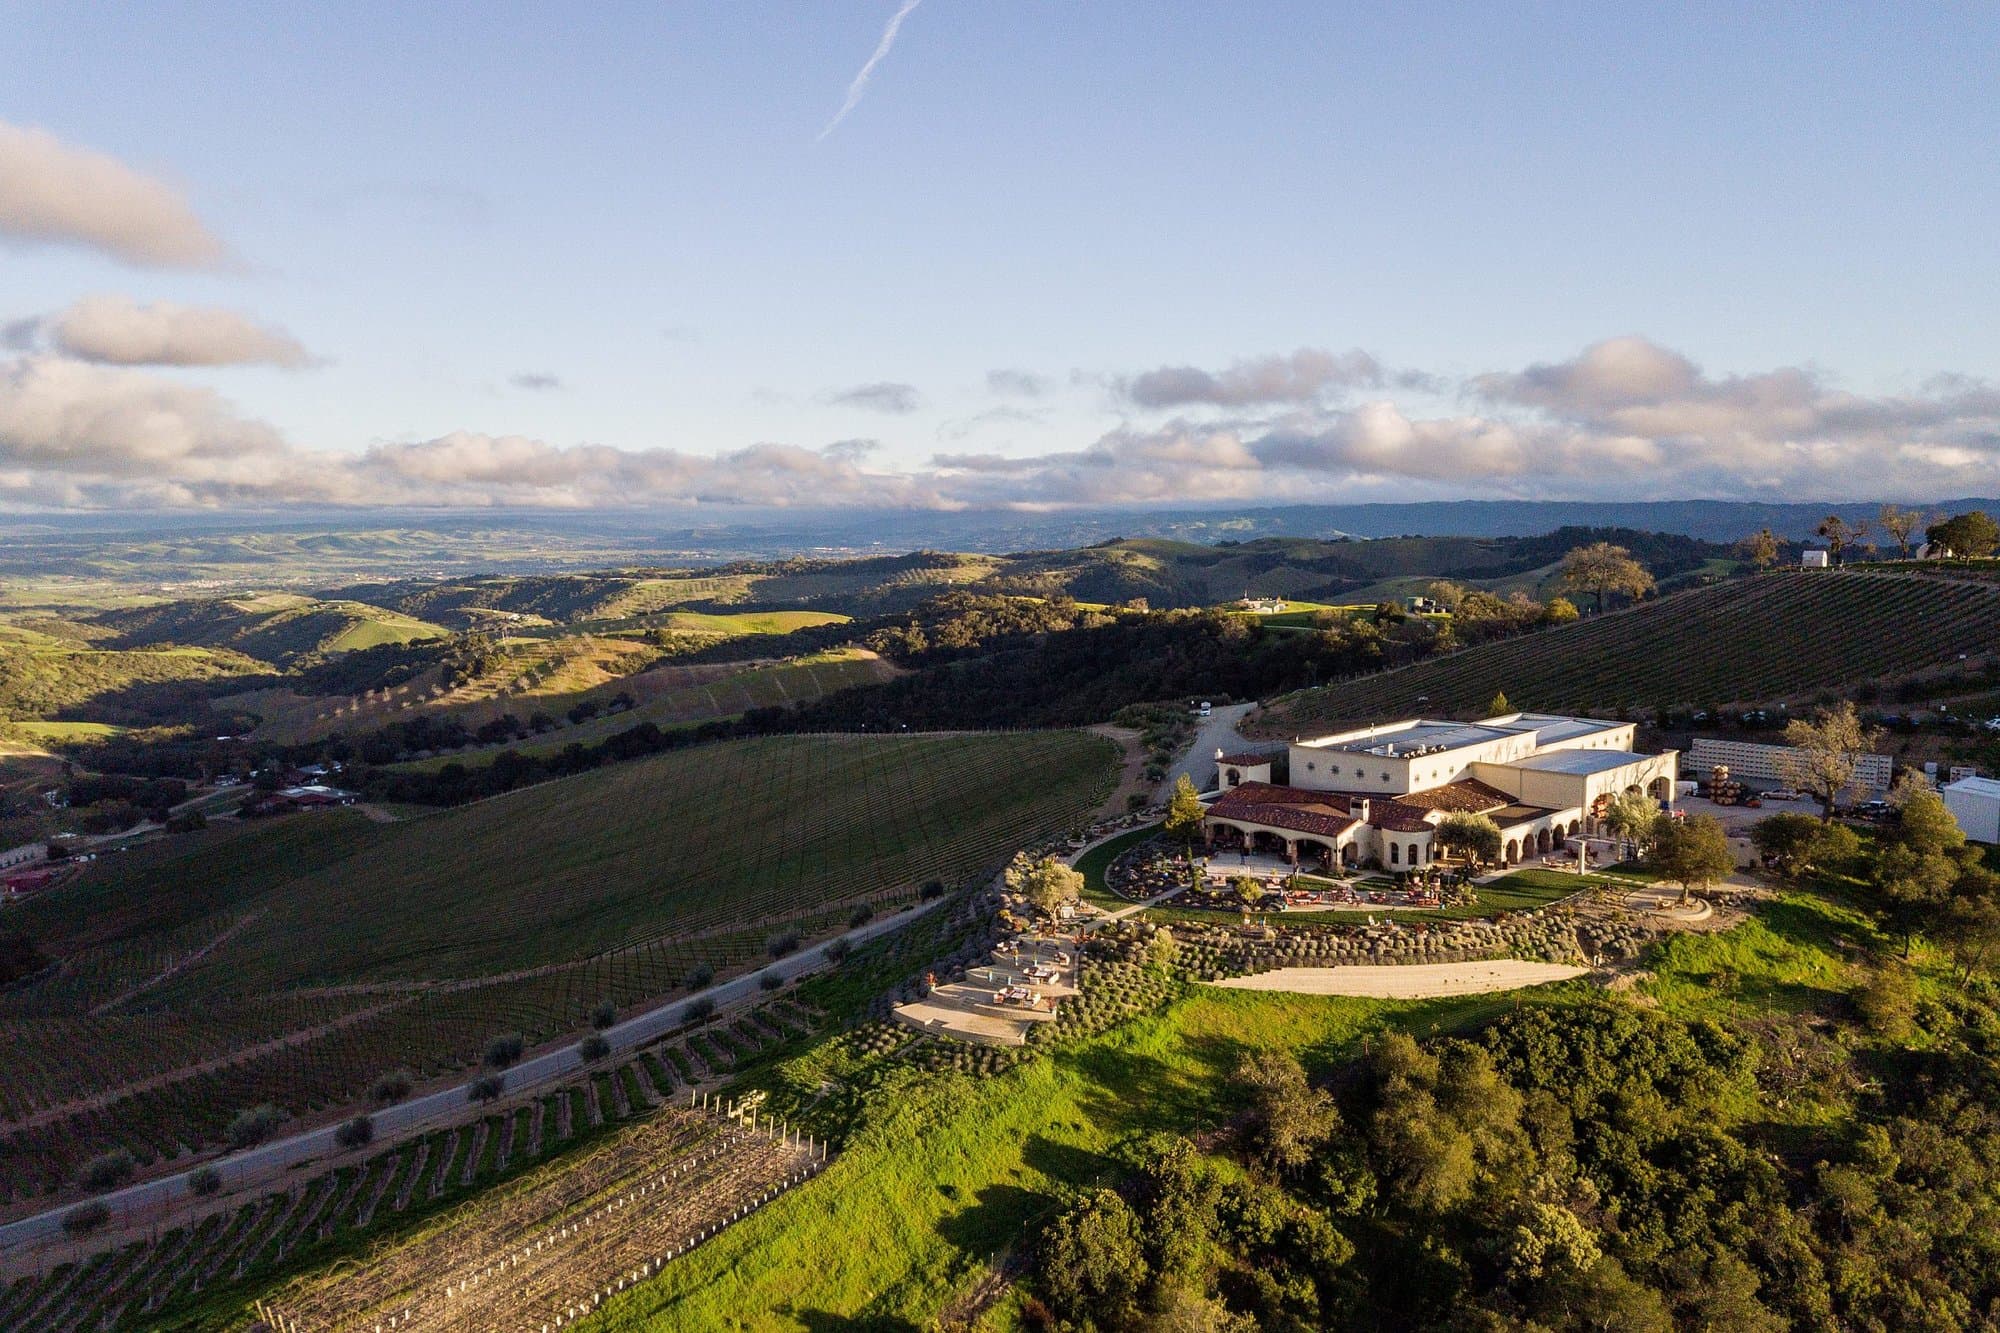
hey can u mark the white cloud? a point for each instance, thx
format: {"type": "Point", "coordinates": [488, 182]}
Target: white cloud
{"type": "Point", "coordinates": [53, 192]}
{"type": "Point", "coordinates": [536, 381]}
{"type": "Point", "coordinates": [1619, 419]}
{"type": "Point", "coordinates": [115, 330]}
{"type": "Point", "coordinates": [1306, 376]}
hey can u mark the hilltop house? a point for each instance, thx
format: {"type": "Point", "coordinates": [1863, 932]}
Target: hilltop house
{"type": "Point", "coordinates": [1376, 795]}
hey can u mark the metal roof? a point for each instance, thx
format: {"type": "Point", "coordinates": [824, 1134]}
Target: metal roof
{"type": "Point", "coordinates": [1580, 762]}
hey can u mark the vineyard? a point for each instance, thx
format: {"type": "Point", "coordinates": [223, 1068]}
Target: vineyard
{"type": "Point", "coordinates": [1780, 636]}
{"type": "Point", "coordinates": [713, 1168]}
{"type": "Point", "coordinates": [249, 967]}
{"type": "Point", "coordinates": [547, 1252]}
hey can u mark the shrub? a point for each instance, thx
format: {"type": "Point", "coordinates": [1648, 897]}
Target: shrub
{"type": "Point", "coordinates": [486, 1088]}
{"type": "Point", "coordinates": [85, 1218]}
{"type": "Point", "coordinates": [700, 977]}
{"type": "Point", "coordinates": [780, 945]}
{"type": "Point", "coordinates": [504, 1051]}
{"type": "Point", "coordinates": [356, 1133]}
{"type": "Point", "coordinates": [934, 889]}
{"type": "Point", "coordinates": [604, 1015]}
{"type": "Point", "coordinates": [770, 981]}
{"type": "Point", "coordinates": [204, 1181]}
{"type": "Point", "coordinates": [698, 1011]}
{"type": "Point", "coordinates": [861, 915]}
{"type": "Point", "coordinates": [838, 949]}
{"type": "Point", "coordinates": [392, 1087]}
{"type": "Point", "coordinates": [106, 1171]}
{"type": "Point", "coordinates": [592, 1048]}
{"type": "Point", "coordinates": [254, 1125]}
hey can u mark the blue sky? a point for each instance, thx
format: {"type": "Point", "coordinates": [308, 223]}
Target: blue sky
{"type": "Point", "coordinates": [1586, 250]}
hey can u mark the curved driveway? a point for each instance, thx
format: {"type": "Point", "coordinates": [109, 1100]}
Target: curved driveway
{"type": "Point", "coordinates": [246, 1167]}
{"type": "Point", "coordinates": [1218, 732]}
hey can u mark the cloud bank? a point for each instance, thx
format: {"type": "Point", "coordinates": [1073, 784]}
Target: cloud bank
{"type": "Point", "coordinates": [116, 331]}
{"type": "Point", "coordinates": [1622, 416]}
{"type": "Point", "coordinates": [56, 193]}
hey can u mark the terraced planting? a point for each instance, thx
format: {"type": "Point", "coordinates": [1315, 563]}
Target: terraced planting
{"type": "Point", "coordinates": [236, 1247]}
{"type": "Point", "coordinates": [547, 1251]}
{"type": "Point", "coordinates": [1778, 636]}
{"type": "Point", "coordinates": [294, 963]}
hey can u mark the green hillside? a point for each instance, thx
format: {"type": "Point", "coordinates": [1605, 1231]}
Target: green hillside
{"type": "Point", "coordinates": [1782, 636]}
{"type": "Point", "coordinates": [276, 627]}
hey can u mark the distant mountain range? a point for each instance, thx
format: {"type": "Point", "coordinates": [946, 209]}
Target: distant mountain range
{"type": "Point", "coordinates": [676, 536]}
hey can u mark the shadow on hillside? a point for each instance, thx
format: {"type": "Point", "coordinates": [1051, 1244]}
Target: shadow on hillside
{"type": "Point", "coordinates": [1132, 1091]}
{"type": "Point", "coordinates": [821, 1321]}
{"type": "Point", "coordinates": [1001, 1214]}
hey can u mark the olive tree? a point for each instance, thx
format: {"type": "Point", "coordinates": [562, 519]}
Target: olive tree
{"type": "Point", "coordinates": [1474, 837]}
{"type": "Point", "coordinates": [1693, 853]}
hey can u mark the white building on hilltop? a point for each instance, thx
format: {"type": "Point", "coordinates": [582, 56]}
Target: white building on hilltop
{"type": "Point", "coordinates": [1377, 793]}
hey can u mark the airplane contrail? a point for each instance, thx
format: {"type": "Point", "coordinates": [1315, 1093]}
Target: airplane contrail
{"type": "Point", "coordinates": [856, 89]}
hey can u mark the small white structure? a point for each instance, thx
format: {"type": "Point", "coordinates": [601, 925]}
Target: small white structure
{"type": "Point", "coordinates": [1813, 557]}
{"type": "Point", "coordinates": [1975, 804]}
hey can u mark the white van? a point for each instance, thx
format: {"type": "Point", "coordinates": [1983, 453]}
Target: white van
{"type": "Point", "coordinates": [1205, 710]}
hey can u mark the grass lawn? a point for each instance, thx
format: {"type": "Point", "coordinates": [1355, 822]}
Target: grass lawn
{"type": "Point", "coordinates": [1093, 863]}
{"type": "Point", "coordinates": [957, 1169]}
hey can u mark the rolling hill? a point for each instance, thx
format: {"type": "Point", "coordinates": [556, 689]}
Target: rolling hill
{"type": "Point", "coordinates": [1783, 636]}
{"type": "Point", "coordinates": [279, 628]}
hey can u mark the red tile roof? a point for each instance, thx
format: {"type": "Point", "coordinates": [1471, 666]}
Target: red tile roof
{"type": "Point", "coordinates": [1468, 794]}
{"type": "Point", "coordinates": [1321, 812]}
{"type": "Point", "coordinates": [1245, 760]}
{"type": "Point", "coordinates": [1397, 817]}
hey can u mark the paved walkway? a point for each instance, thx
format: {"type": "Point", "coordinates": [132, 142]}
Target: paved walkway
{"type": "Point", "coordinates": [1413, 981]}
{"type": "Point", "coordinates": [255, 1164]}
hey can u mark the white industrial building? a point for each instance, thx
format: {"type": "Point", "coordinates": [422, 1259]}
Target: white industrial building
{"type": "Point", "coordinates": [1975, 804]}
{"type": "Point", "coordinates": [1376, 794]}
{"type": "Point", "coordinates": [1761, 766]}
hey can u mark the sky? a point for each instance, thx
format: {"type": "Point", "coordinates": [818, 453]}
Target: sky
{"type": "Point", "coordinates": [995, 253]}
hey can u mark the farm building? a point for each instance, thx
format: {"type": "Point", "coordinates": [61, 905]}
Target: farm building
{"type": "Point", "coordinates": [1975, 804]}
{"type": "Point", "coordinates": [1762, 766]}
{"type": "Point", "coordinates": [1813, 557]}
{"type": "Point", "coordinates": [1377, 794]}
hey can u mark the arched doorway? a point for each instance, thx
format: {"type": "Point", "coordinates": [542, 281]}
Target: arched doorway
{"type": "Point", "coordinates": [1542, 842]}
{"type": "Point", "coordinates": [1513, 852]}
{"type": "Point", "coordinates": [1660, 789]}
{"type": "Point", "coordinates": [1575, 826]}
{"type": "Point", "coordinates": [1267, 843]}
{"type": "Point", "coordinates": [1231, 777]}
{"type": "Point", "coordinates": [1350, 855]}
{"type": "Point", "coordinates": [1315, 851]}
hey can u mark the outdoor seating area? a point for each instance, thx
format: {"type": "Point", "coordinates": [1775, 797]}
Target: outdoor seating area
{"type": "Point", "coordinates": [1023, 983]}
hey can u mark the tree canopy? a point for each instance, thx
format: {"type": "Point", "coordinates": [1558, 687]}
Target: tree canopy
{"type": "Point", "coordinates": [1693, 853]}
{"type": "Point", "coordinates": [1972, 534]}
{"type": "Point", "coordinates": [1475, 837]}
{"type": "Point", "coordinates": [1825, 752]}
{"type": "Point", "coordinates": [1602, 568]}
{"type": "Point", "coordinates": [1184, 811]}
